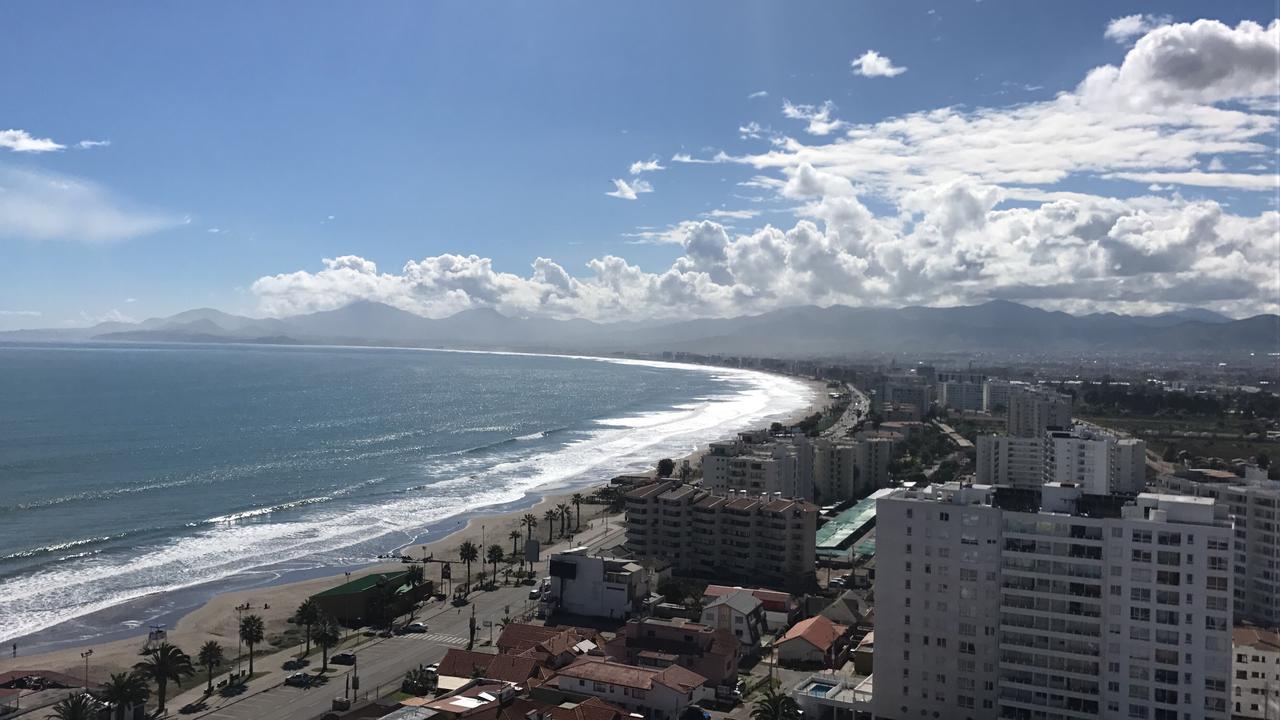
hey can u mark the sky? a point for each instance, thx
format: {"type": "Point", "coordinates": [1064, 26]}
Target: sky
{"type": "Point", "coordinates": [635, 160]}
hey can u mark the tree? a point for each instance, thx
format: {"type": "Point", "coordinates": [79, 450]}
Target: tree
{"type": "Point", "coordinates": [125, 690]}
{"type": "Point", "coordinates": [775, 705]}
{"type": "Point", "coordinates": [563, 510]}
{"type": "Point", "coordinates": [1263, 460]}
{"type": "Point", "coordinates": [468, 553]}
{"type": "Point", "coordinates": [162, 663]}
{"type": "Point", "coordinates": [495, 555]}
{"type": "Point", "coordinates": [418, 682]}
{"type": "Point", "coordinates": [307, 614]}
{"type": "Point", "coordinates": [210, 657]}
{"type": "Point", "coordinates": [252, 631]}
{"type": "Point", "coordinates": [530, 521]}
{"type": "Point", "coordinates": [666, 466]}
{"type": "Point", "coordinates": [415, 576]}
{"type": "Point", "coordinates": [76, 707]}
{"type": "Point", "coordinates": [515, 536]}
{"type": "Point", "coordinates": [550, 516]}
{"type": "Point", "coordinates": [328, 635]}
{"type": "Point", "coordinates": [577, 501]}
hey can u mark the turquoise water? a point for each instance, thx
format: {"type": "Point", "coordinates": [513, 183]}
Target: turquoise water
{"type": "Point", "coordinates": [132, 471]}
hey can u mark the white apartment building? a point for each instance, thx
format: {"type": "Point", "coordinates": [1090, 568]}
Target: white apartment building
{"type": "Point", "coordinates": [1033, 410]}
{"type": "Point", "coordinates": [1007, 460]}
{"type": "Point", "coordinates": [1255, 691]}
{"type": "Point", "coordinates": [1254, 506]}
{"type": "Point", "coordinates": [871, 455]}
{"type": "Point", "coordinates": [756, 467]}
{"type": "Point", "coordinates": [594, 586]}
{"type": "Point", "coordinates": [1051, 604]}
{"type": "Point", "coordinates": [1098, 462]}
{"type": "Point", "coordinates": [995, 395]}
{"type": "Point", "coordinates": [836, 476]}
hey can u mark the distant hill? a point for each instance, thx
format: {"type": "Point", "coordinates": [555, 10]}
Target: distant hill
{"type": "Point", "coordinates": [996, 327]}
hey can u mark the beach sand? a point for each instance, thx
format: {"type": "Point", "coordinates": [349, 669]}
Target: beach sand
{"type": "Point", "coordinates": [216, 619]}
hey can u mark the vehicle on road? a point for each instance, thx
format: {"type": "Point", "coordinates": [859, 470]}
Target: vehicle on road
{"type": "Point", "coordinates": [415, 627]}
{"type": "Point", "coordinates": [343, 658]}
{"type": "Point", "coordinates": [298, 680]}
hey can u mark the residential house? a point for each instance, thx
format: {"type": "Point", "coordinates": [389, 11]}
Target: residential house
{"type": "Point", "coordinates": [741, 614]}
{"type": "Point", "coordinates": [712, 653]}
{"type": "Point", "coordinates": [656, 694]}
{"type": "Point", "coordinates": [553, 647]}
{"type": "Point", "coordinates": [813, 642]}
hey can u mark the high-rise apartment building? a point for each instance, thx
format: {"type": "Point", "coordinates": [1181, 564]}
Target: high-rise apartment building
{"type": "Point", "coordinates": [745, 537]}
{"type": "Point", "coordinates": [1033, 410]}
{"type": "Point", "coordinates": [1098, 462]}
{"type": "Point", "coordinates": [1051, 603]}
{"type": "Point", "coordinates": [1254, 505]}
{"type": "Point", "coordinates": [1007, 460]}
{"type": "Point", "coordinates": [756, 466]}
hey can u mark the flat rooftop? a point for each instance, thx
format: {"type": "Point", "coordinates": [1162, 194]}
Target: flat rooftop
{"type": "Point", "coordinates": [841, 530]}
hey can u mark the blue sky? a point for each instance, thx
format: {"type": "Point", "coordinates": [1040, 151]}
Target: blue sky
{"type": "Point", "coordinates": [245, 144]}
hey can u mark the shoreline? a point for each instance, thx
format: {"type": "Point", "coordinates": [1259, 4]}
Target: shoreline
{"type": "Point", "coordinates": [209, 615]}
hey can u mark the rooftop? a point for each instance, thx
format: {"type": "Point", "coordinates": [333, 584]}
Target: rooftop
{"type": "Point", "coordinates": [818, 631]}
{"type": "Point", "coordinates": [364, 583]}
{"type": "Point", "coordinates": [1266, 640]}
{"type": "Point", "coordinates": [840, 531]}
{"type": "Point", "coordinates": [632, 676]}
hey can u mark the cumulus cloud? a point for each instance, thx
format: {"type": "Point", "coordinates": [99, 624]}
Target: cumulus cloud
{"type": "Point", "coordinates": [873, 64]}
{"type": "Point", "coordinates": [23, 141]}
{"type": "Point", "coordinates": [629, 191]}
{"type": "Point", "coordinates": [46, 206]}
{"type": "Point", "coordinates": [650, 165]}
{"type": "Point", "coordinates": [1124, 29]}
{"type": "Point", "coordinates": [818, 116]}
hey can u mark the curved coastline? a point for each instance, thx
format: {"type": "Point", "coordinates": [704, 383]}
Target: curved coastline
{"type": "Point", "coordinates": [173, 604]}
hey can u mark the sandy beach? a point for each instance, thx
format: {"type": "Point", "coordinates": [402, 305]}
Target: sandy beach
{"type": "Point", "coordinates": [216, 619]}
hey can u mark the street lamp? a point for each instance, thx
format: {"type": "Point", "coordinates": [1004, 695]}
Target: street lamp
{"type": "Point", "coordinates": [86, 655]}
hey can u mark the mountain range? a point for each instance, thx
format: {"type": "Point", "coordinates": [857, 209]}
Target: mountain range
{"type": "Point", "coordinates": [996, 327]}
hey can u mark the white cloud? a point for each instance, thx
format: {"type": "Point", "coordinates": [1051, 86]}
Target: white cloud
{"type": "Point", "coordinates": [629, 191]}
{"type": "Point", "coordinates": [1124, 29]}
{"type": "Point", "coordinates": [131, 300]}
{"type": "Point", "coordinates": [751, 131]}
{"type": "Point", "coordinates": [818, 116]}
{"type": "Point", "coordinates": [873, 64]}
{"type": "Point", "coordinates": [650, 165]}
{"type": "Point", "coordinates": [1243, 181]}
{"type": "Point", "coordinates": [88, 144]}
{"type": "Point", "coordinates": [20, 313]}
{"type": "Point", "coordinates": [22, 141]}
{"type": "Point", "coordinates": [46, 206]}
{"type": "Point", "coordinates": [214, 230]}
{"type": "Point", "coordinates": [758, 94]}
{"type": "Point", "coordinates": [113, 315]}
{"type": "Point", "coordinates": [688, 159]}
{"type": "Point", "coordinates": [733, 214]}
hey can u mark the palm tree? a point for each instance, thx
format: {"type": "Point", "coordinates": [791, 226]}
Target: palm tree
{"type": "Point", "coordinates": [328, 635]}
{"type": "Point", "coordinates": [550, 516]}
{"type": "Point", "coordinates": [495, 555]}
{"type": "Point", "coordinates": [125, 689]}
{"type": "Point", "coordinates": [563, 509]}
{"type": "Point", "coordinates": [163, 663]}
{"type": "Point", "coordinates": [468, 553]}
{"type": "Point", "coordinates": [415, 576]}
{"type": "Point", "coordinates": [307, 614]}
{"type": "Point", "coordinates": [76, 707]}
{"type": "Point", "coordinates": [515, 536]}
{"type": "Point", "coordinates": [252, 631]}
{"type": "Point", "coordinates": [530, 521]}
{"type": "Point", "coordinates": [775, 706]}
{"type": "Point", "coordinates": [577, 501]}
{"type": "Point", "coordinates": [504, 622]}
{"type": "Point", "coordinates": [210, 658]}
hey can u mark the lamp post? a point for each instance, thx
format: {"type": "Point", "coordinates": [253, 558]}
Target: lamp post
{"type": "Point", "coordinates": [86, 655]}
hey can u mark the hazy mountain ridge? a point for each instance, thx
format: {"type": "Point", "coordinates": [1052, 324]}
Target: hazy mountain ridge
{"type": "Point", "coordinates": [996, 326]}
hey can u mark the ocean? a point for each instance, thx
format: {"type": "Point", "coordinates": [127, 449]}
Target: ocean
{"type": "Point", "coordinates": [129, 473]}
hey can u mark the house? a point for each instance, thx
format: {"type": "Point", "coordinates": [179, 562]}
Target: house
{"type": "Point", "coordinates": [521, 671]}
{"type": "Point", "coordinates": [372, 599]}
{"type": "Point", "coordinates": [656, 694]}
{"type": "Point", "coordinates": [780, 609]}
{"type": "Point", "coordinates": [813, 642]}
{"type": "Point", "coordinates": [850, 608]}
{"type": "Point", "coordinates": [1256, 685]}
{"type": "Point", "coordinates": [596, 586]}
{"type": "Point", "coordinates": [741, 614]}
{"type": "Point", "coordinates": [655, 643]}
{"type": "Point", "coordinates": [552, 647]}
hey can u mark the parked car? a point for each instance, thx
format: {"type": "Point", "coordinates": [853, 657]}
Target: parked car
{"type": "Point", "coordinates": [343, 658]}
{"type": "Point", "coordinates": [415, 627]}
{"type": "Point", "coordinates": [298, 680]}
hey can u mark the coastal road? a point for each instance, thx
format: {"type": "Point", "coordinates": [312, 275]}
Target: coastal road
{"type": "Point", "coordinates": [382, 661]}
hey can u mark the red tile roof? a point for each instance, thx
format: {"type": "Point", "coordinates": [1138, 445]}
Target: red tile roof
{"type": "Point", "coordinates": [818, 631]}
{"type": "Point", "coordinates": [1268, 640]}
{"type": "Point", "coordinates": [632, 676]}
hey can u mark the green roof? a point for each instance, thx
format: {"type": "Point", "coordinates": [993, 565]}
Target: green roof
{"type": "Point", "coordinates": [364, 583]}
{"type": "Point", "coordinates": [849, 525]}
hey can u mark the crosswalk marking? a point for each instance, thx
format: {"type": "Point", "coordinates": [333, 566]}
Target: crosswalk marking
{"type": "Point", "coordinates": [443, 638]}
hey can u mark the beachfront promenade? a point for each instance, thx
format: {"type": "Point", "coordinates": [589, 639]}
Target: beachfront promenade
{"type": "Point", "coordinates": [382, 661]}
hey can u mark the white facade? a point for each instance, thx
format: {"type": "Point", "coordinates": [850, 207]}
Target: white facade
{"type": "Point", "coordinates": [1034, 410]}
{"type": "Point", "coordinates": [597, 586]}
{"type": "Point", "coordinates": [1005, 460]}
{"type": "Point", "coordinates": [1092, 606]}
{"type": "Point", "coordinates": [872, 456]}
{"type": "Point", "coordinates": [836, 477]}
{"type": "Point", "coordinates": [1255, 691]}
{"type": "Point", "coordinates": [959, 395]}
{"type": "Point", "coordinates": [995, 395]}
{"type": "Point", "coordinates": [757, 468]}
